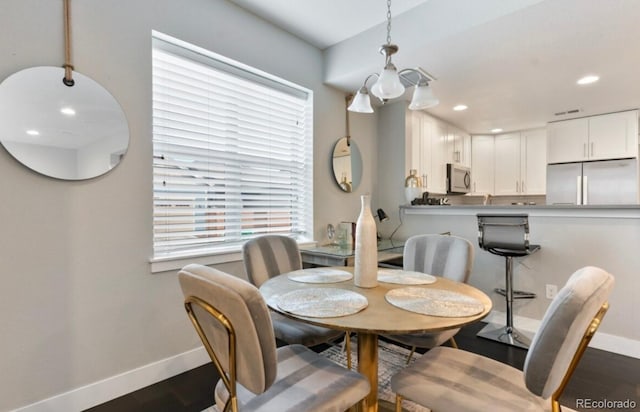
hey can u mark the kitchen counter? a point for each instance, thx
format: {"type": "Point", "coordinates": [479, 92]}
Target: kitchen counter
{"type": "Point", "coordinates": [571, 237]}
{"type": "Point", "coordinates": [599, 211]}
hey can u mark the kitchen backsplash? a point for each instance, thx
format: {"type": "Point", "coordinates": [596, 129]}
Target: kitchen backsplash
{"type": "Point", "coordinates": [496, 200]}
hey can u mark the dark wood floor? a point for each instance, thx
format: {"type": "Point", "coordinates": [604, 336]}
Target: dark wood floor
{"type": "Point", "coordinates": [600, 375]}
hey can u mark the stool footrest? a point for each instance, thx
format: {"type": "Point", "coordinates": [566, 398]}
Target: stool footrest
{"type": "Point", "coordinates": [517, 294]}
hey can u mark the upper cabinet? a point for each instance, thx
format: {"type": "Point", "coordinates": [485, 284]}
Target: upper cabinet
{"type": "Point", "coordinates": [607, 136]}
{"type": "Point", "coordinates": [458, 146]}
{"type": "Point", "coordinates": [427, 150]}
{"type": "Point", "coordinates": [533, 164]}
{"type": "Point", "coordinates": [430, 145]}
{"type": "Point", "coordinates": [520, 163]}
{"type": "Point", "coordinates": [482, 159]}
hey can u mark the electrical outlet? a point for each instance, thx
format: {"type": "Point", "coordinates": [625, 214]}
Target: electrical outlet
{"type": "Point", "coordinates": [552, 291]}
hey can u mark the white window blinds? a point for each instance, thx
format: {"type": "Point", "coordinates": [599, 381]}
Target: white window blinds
{"type": "Point", "coordinates": [232, 154]}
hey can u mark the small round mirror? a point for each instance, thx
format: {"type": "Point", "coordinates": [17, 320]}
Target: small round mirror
{"type": "Point", "coordinates": [347, 164]}
{"type": "Point", "coordinates": [69, 133]}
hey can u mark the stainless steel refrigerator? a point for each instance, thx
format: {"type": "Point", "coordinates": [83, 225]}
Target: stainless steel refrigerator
{"type": "Point", "coordinates": [604, 182]}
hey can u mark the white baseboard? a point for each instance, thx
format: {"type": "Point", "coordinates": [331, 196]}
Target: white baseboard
{"type": "Point", "coordinates": [605, 341]}
{"type": "Point", "coordinates": [113, 387]}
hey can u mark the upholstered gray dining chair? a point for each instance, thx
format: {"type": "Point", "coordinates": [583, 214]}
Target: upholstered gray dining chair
{"type": "Point", "coordinates": [271, 255]}
{"type": "Point", "coordinates": [233, 322]}
{"type": "Point", "coordinates": [439, 255]}
{"type": "Point", "coordinates": [453, 380]}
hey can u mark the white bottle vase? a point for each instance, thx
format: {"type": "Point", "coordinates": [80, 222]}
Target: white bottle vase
{"type": "Point", "coordinates": [366, 259]}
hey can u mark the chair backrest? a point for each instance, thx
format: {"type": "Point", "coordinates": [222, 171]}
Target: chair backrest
{"type": "Point", "coordinates": [510, 232]}
{"type": "Point", "coordinates": [563, 327]}
{"type": "Point", "coordinates": [447, 256]}
{"type": "Point", "coordinates": [268, 256]}
{"type": "Point", "coordinates": [244, 307]}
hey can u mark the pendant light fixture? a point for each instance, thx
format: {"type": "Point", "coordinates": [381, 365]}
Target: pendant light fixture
{"type": "Point", "coordinates": [389, 84]}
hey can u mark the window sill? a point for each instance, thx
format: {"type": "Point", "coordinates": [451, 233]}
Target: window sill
{"type": "Point", "coordinates": [230, 254]}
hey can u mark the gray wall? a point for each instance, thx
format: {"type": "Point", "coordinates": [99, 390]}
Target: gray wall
{"type": "Point", "coordinates": [78, 302]}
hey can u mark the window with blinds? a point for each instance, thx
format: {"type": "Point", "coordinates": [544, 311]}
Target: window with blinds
{"type": "Point", "coordinates": [232, 153]}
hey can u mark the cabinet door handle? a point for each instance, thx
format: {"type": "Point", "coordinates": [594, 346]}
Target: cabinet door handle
{"type": "Point", "coordinates": [517, 187]}
{"type": "Point", "coordinates": [584, 150]}
{"type": "Point", "coordinates": [592, 148]}
{"type": "Point", "coordinates": [522, 186]}
{"type": "Point", "coordinates": [474, 187]}
{"type": "Point", "coordinates": [578, 190]}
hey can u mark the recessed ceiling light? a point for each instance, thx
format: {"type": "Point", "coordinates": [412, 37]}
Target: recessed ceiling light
{"type": "Point", "coordinates": [460, 107]}
{"type": "Point", "coordinates": [68, 111]}
{"type": "Point", "coordinates": [496, 130]}
{"type": "Point", "coordinates": [588, 79]}
{"type": "Point", "coordinates": [32, 132]}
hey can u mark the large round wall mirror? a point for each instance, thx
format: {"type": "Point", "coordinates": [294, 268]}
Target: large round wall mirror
{"type": "Point", "coordinates": [69, 133]}
{"type": "Point", "coordinates": [347, 164]}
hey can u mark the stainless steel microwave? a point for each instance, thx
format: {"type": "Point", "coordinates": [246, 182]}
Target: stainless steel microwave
{"type": "Point", "coordinates": [458, 179]}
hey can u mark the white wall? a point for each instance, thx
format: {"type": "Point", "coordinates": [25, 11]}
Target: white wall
{"type": "Point", "coordinates": [78, 302]}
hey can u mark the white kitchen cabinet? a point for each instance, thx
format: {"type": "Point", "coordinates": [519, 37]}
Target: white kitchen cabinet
{"type": "Point", "coordinates": [520, 163]}
{"type": "Point", "coordinates": [613, 135]}
{"type": "Point", "coordinates": [533, 162]}
{"type": "Point", "coordinates": [607, 136]}
{"type": "Point", "coordinates": [567, 141]}
{"type": "Point", "coordinates": [458, 146]}
{"type": "Point", "coordinates": [438, 180]}
{"type": "Point", "coordinates": [432, 135]}
{"type": "Point", "coordinates": [507, 164]}
{"type": "Point", "coordinates": [482, 165]}
{"type": "Point", "coordinates": [427, 150]}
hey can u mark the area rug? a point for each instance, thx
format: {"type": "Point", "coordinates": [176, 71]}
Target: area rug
{"type": "Point", "coordinates": [391, 359]}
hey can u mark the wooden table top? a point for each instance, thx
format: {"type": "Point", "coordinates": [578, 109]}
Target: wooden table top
{"type": "Point", "coordinates": [379, 316]}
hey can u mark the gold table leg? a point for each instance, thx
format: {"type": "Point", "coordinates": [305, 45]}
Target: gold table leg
{"type": "Point", "coordinates": [368, 366]}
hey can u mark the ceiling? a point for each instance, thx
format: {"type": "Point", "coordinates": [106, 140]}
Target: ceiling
{"type": "Point", "coordinates": [513, 63]}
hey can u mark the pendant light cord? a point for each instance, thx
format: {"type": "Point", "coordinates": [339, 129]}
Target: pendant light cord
{"type": "Point", "coordinates": [68, 67]}
{"type": "Point", "coordinates": [388, 21]}
{"type": "Point", "coordinates": [346, 116]}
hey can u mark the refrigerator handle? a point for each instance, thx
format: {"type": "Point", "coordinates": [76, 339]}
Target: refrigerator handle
{"type": "Point", "coordinates": [585, 190]}
{"type": "Point", "coordinates": [578, 190]}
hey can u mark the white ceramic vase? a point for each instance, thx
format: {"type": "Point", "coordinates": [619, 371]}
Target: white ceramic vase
{"type": "Point", "coordinates": [366, 259]}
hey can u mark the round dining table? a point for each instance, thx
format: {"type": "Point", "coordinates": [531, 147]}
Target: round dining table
{"type": "Point", "coordinates": [378, 317]}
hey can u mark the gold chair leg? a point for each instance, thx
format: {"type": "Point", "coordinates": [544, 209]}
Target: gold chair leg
{"type": "Point", "coordinates": [413, 349]}
{"type": "Point", "coordinates": [453, 343]}
{"type": "Point", "coordinates": [398, 403]}
{"type": "Point", "coordinates": [347, 345]}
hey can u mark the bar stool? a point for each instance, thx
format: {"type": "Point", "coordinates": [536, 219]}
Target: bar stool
{"type": "Point", "coordinates": [507, 236]}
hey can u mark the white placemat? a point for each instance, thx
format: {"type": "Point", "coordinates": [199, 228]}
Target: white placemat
{"type": "Point", "coordinates": [434, 302]}
{"type": "Point", "coordinates": [404, 277]}
{"type": "Point", "coordinates": [320, 275]}
{"type": "Point", "coordinates": [322, 302]}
